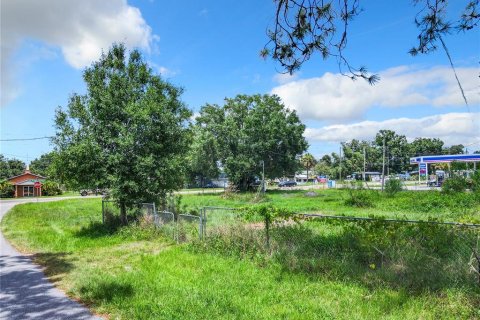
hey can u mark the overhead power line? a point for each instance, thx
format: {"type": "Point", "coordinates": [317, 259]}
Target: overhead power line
{"type": "Point", "coordinates": [25, 139]}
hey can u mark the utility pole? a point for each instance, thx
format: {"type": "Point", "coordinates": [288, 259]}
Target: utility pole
{"type": "Point", "coordinates": [340, 177]}
{"type": "Point", "coordinates": [364, 163]}
{"type": "Point", "coordinates": [383, 165]}
{"type": "Point", "coordinates": [263, 177]}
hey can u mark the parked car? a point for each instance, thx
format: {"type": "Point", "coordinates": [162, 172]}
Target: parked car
{"type": "Point", "coordinates": [97, 191]}
{"type": "Point", "coordinates": [282, 184]}
{"type": "Point", "coordinates": [211, 185]}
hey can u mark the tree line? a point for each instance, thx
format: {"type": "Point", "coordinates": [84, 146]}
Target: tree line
{"type": "Point", "coordinates": [358, 155]}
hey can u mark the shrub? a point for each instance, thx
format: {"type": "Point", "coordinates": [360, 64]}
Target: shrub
{"type": "Point", "coordinates": [475, 181]}
{"type": "Point", "coordinates": [454, 184]}
{"type": "Point", "coordinates": [7, 190]}
{"type": "Point", "coordinates": [51, 188]}
{"type": "Point", "coordinates": [359, 197]}
{"type": "Point", "coordinates": [392, 187]}
{"type": "Point", "coordinates": [268, 214]}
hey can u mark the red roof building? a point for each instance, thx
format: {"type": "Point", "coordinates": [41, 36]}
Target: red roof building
{"type": "Point", "coordinates": [24, 184]}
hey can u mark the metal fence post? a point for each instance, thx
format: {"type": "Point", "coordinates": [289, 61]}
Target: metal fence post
{"type": "Point", "coordinates": [204, 221]}
{"type": "Point", "coordinates": [200, 228]}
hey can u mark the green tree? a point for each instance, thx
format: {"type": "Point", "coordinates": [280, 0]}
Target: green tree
{"type": "Point", "coordinates": [425, 147]}
{"type": "Point", "coordinates": [338, 167]}
{"type": "Point", "coordinates": [10, 167]}
{"type": "Point", "coordinates": [324, 167]}
{"type": "Point", "coordinates": [308, 162]}
{"type": "Point", "coordinates": [454, 149]}
{"type": "Point", "coordinates": [202, 156]}
{"type": "Point", "coordinates": [43, 165]}
{"type": "Point", "coordinates": [252, 129]}
{"type": "Point", "coordinates": [7, 190]}
{"type": "Point", "coordinates": [127, 133]}
{"type": "Point", "coordinates": [327, 159]}
{"type": "Point", "coordinates": [396, 152]}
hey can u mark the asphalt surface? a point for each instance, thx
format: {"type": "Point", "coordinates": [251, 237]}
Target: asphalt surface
{"type": "Point", "coordinates": [25, 292]}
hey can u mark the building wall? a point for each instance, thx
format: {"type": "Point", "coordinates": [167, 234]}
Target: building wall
{"type": "Point", "coordinates": [19, 191]}
{"type": "Point", "coordinates": [22, 178]}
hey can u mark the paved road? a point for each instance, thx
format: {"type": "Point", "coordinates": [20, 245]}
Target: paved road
{"type": "Point", "coordinates": [25, 293]}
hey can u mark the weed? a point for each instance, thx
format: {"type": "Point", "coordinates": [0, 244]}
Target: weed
{"type": "Point", "coordinates": [454, 184]}
{"type": "Point", "coordinates": [392, 187]}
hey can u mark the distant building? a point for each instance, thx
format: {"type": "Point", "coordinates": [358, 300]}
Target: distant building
{"type": "Point", "coordinates": [302, 177]}
{"type": "Point", "coordinates": [369, 176]}
{"type": "Point", "coordinates": [222, 180]}
{"type": "Point", "coordinates": [24, 184]}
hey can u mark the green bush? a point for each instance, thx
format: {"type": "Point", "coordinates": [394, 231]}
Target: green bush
{"type": "Point", "coordinates": [7, 190]}
{"type": "Point", "coordinates": [454, 184]}
{"type": "Point", "coordinates": [359, 197]}
{"type": "Point", "coordinates": [433, 202]}
{"type": "Point", "coordinates": [51, 188]}
{"type": "Point", "coordinates": [475, 181]}
{"type": "Point", "coordinates": [392, 187]}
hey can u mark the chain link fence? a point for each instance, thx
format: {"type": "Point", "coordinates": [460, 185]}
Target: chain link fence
{"type": "Point", "coordinates": [218, 218]}
{"type": "Point", "coordinates": [188, 227]}
{"type": "Point", "coordinates": [412, 254]}
{"type": "Point", "coordinates": [180, 227]}
{"type": "Point", "coordinates": [402, 253]}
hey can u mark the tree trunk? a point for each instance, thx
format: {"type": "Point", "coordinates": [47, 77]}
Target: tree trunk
{"type": "Point", "coordinates": [123, 213]}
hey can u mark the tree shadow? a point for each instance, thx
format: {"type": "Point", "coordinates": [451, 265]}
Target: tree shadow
{"type": "Point", "coordinates": [97, 290]}
{"type": "Point", "coordinates": [96, 230]}
{"type": "Point", "coordinates": [27, 294]}
{"type": "Point", "coordinates": [54, 263]}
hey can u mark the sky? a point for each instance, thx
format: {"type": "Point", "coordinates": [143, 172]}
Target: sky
{"type": "Point", "coordinates": [211, 49]}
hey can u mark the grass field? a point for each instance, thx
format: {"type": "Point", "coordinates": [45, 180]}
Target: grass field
{"type": "Point", "coordinates": [406, 204]}
{"type": "Point", "coordinates": [134, 273]}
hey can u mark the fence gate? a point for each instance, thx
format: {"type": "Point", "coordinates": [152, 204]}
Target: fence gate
{"type": "Point", "coordinates": [188, 228]}
{"type": "Point", "coordinates": [217, 217]}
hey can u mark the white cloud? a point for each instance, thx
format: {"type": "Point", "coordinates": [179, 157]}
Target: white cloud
{"type": "Point", "coordinates": [164, 71]}
{"type": "Point", "coordinates": [452, 128]}
{"type": "Point", "coordinates": [283, 78]}
{"type": "Point", "coordinates": [336, 97]}
{"type": "Point", "coordinates": [81, 29]}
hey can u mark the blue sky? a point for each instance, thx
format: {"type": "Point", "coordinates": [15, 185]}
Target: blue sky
{"type": "Point", "coordinates": [212, 51]}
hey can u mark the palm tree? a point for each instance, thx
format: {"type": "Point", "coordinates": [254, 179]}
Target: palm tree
{"type": "Point", "coordinates": [308, 162]}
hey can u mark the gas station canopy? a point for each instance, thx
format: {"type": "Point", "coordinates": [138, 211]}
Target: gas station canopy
{"type": "Point", "coordinates": [446, 158]}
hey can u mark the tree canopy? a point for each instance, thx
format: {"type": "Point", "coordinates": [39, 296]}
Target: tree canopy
{"type": "Point", "coordinates": [247, 130]}
{"type": "Point", "coordinates": [128, 132]}
{"type": "Point", "coordinates": [43, 165]}
{"type": "Point", "coordinates": [10, 167]}
{"type": "Point", "coordinates": [308, 161]}
{"type": "Point", "coordinates": [202, 157]}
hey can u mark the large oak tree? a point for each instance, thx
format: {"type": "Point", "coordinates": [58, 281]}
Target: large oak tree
{"type": "Point", "coordinates": [250, 131]}
{"type": "Point", "coordinates": [128, 132]}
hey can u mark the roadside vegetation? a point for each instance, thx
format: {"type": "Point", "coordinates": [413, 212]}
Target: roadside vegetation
{"type": "Point", "coordinates": [460, 206]}
{"type": "Point", "coordinates": [135, 272]}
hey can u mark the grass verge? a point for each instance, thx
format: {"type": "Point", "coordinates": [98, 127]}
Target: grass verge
{"type": "Point", "coordinates": [135, 273]}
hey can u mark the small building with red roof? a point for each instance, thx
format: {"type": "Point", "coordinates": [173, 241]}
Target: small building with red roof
{"type": "Point", "coordinates": [24, 184]}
